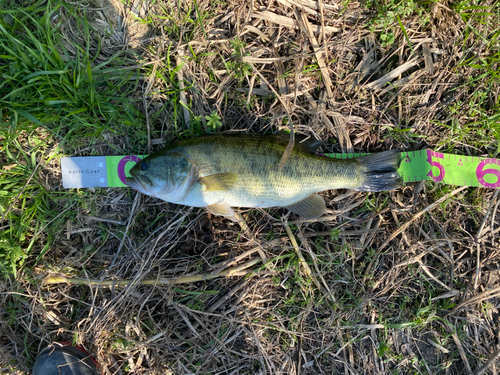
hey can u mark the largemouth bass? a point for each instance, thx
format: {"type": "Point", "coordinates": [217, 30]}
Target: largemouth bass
{"type": "Point", "coordinates": [223, 171]}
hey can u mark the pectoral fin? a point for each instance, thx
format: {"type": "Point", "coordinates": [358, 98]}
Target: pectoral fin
{"type": "Point", "coordinates": [310, 208]}
{"type": "Point", "coordinates": [218, 182]}
{"type": "Point", "coordinates": [222, 209]}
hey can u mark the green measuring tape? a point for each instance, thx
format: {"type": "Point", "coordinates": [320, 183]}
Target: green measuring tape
{"type": "Point", "coordinates": [111, 171]}
{"type": "Point", "coordinates": [445, 168]}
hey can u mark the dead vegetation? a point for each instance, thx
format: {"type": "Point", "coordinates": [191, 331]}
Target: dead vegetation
{"type": "Point", "coordinates": [404, 282]}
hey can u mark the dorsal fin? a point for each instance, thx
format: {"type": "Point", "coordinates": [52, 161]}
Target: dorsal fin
{"type": "Point", "coordinates": [309, 144]}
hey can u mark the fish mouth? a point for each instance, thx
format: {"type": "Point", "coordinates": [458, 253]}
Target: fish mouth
{"type": "Point", "coordinates": [136, 183]}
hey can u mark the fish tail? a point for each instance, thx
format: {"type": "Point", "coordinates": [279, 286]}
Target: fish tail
{"type": "Point", "coordinates": [380, 171]}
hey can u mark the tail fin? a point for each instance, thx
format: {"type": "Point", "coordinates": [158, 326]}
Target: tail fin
{"type": "Point", "coordinates": [381, 171]}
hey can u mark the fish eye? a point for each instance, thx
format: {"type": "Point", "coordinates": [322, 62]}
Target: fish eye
{"type": "Point", "coordinates": [144, 166]}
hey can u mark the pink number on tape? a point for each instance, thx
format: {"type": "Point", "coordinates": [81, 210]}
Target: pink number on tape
{"type": "Point", "coordinates": [480, 173]}
{"type": "Point", "coordinates": [438, 155]}
{"type": "Point", "coordinates": [121, 166]}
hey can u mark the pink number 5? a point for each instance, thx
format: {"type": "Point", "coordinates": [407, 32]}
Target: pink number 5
{"type": "Point", "coordinates": [480, 173]}
{"type": "Point", "coordinates": [438, 155]}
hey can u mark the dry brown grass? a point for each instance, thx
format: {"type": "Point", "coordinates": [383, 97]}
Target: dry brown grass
{"type": "Point", "coordinates": [404, 282]}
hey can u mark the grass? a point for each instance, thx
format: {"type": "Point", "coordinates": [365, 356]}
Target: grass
{"type": "Point", "coordinates": [69, 86]}
{"type": "Point", "coordinates": [54, 102]}
{"type": "Point", "coordinates": [389, 15]}
{"type": "Point", "coordinates": [43, 84]}
{"type": "Point", "coordinates": [479, 103]}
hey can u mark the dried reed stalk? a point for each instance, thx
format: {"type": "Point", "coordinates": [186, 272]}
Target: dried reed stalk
{"type": "Point", "coordinates": [234, 271]}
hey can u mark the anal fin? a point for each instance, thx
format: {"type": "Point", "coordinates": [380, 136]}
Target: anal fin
{"type": "Point", "coordinates": [310, 208]}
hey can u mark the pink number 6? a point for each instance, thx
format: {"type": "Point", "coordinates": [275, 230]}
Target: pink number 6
{"type": "Point", "coordinates": [438, 155]}
{"type": "Point", "coordinates": [480, 173]}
